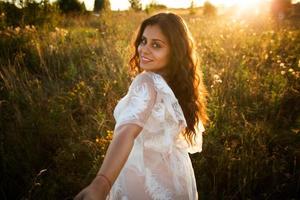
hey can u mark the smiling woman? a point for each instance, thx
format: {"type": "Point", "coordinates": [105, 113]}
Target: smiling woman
{"type": "Point", "coordinates": [158, 122]}
{"type": "Point", "coordinates": [154, 49]}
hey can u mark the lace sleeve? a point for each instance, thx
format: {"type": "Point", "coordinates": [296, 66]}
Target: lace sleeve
{"type": "Point", "coordinates": [141, 99]}
{"type": "Point", "coordinates": [197, 146]}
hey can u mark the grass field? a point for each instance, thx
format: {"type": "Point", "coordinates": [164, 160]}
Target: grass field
{"type": "Point", "coordinates": [59, 86]}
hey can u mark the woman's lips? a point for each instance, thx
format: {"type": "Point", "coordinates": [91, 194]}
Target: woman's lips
{"type": "Point", "coordinates": [145, 59]}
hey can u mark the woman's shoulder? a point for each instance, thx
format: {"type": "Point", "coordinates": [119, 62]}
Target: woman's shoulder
{"type": "Point", "coordinates": [143, 77]}
{"type": "Point", "coordinates": [156, 80]}
{"type": "Point", "coordinates": [167, 96]}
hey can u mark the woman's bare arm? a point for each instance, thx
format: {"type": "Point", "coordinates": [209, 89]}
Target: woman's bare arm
{"type": "Point", "coordinates": [114, 160]}
{"type": "Point", "coordinates": [118, 151]}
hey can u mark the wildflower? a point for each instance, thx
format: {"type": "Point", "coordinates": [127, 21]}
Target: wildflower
{"type": "Point", "coordinates": [81, 83]}
{"type": "Point", "coordinates": [216, 76]}
{"type": "Point", "coordinates": [266, 56]}
{"type": "Point", "coordinates": [278, 61]}
{"type": "Point", "coordinates": [217, 79]}
{"type": "Point", "coordinates": [51, 47]}
{"type": "Point", "coordinates": [33, 28]}
{"type": "Point", "coordinates": [299, 63]}
{"type": "Point", "coordinates": [291, 70]}
{"type": "Point", "coordinates": [64, 32]}
{"type": "Point", "coordinates": [282, 72]}
{"type": "Point", "coordinates": [281, 65]}
{"type": "Point", "coordinates": [17, 29]}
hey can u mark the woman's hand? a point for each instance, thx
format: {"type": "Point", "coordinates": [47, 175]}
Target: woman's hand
{"type": "Point", "coordinates": [97, 190]}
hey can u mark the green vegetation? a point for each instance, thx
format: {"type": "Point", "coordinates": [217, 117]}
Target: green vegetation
{"type": "Point", "coordinates": [101, 5]}
{"type": "Point", "coordinates": [59, 85]}
{"type": "Point", "coordinates": [154, 6]}
{"type": "Point", "coordinates": [135, 5]}
{"type": "Point", "coordinates": [209, 9]}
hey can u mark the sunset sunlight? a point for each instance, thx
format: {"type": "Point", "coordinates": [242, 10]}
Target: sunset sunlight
{"type": "Point", "coordinates": [248, 4]}
{"type": "Point", "coordinates": [150, 99]}
{"type": "Point", "coordinates": [124, 4]}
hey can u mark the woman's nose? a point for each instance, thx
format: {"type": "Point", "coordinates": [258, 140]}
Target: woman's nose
{"type": "Point", "coordinates": [145, 49]}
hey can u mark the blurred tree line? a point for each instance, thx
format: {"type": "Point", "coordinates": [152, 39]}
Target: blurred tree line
{"type": "Point", "coordinates": [279, 9]}
{"type": "Point", "coordinates": [209, 9]}
{"type": "Point", "coordinates": [22, 12]}
{"type": "Point", "coordinates": [101, 5]}
{"type": "Point", "coordinates": [31, 12]}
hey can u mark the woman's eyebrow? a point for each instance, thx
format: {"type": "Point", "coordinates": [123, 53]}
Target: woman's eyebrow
{"type": "Point", "coordinates": [155, 39]}
{"type": "Point", "coordinates": [160, 41]}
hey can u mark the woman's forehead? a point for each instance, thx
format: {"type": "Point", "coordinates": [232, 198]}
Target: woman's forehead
{"type": "Point", "coordinates": [154, 32]}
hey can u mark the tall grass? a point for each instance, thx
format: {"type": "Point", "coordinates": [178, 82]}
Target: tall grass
{"type": "Point", "coordinates": [59, 87]}
{"type": "Point", "coordinates": [251, 150]}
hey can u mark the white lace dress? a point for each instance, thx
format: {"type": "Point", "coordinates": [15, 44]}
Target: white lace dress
{"type": "Point", "coordinates": [158, 166]}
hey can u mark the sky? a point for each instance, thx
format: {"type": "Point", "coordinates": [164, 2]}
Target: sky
{"type": "Point", "coordinates": [124, 4]}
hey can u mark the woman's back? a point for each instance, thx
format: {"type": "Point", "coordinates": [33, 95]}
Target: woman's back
{"type": "Point", "coordinates": [158, 166]}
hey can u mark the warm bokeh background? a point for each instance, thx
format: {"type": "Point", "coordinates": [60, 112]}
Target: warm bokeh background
{"type": "Point", "coordinates": [63, 69]}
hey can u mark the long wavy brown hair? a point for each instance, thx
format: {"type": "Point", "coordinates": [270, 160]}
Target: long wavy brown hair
{"type": "Point", "coordinates": [183, 74]}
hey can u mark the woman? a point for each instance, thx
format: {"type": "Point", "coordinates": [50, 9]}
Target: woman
{"type": "Point", "coordinates": [158, 122]}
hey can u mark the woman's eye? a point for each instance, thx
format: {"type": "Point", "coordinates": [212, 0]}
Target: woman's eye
{"type": "Point", "coordinates": [156, 45]}
{"type": "Point", "coordinates": [143, 41]}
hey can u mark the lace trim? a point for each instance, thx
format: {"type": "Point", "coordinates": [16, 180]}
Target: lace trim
{"type": "Point", "coordinates": [141, 97]}
{"type": "Point", "coordinates": [161, 85]}
{"type": "Point", "coordinates": [178, 112]}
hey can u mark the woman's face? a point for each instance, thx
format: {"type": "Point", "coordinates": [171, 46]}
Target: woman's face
{"type": "Point", "coordinates": [154, 49]}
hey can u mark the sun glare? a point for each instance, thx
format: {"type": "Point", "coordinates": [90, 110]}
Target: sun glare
{"type": "Point", "coordinates": [240, 4]}
{"type": "Point", "coordinates": [248, 4]}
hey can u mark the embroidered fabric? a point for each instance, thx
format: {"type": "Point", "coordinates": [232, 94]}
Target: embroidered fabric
{"type": "Point", "coordinates": [158, 166]}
